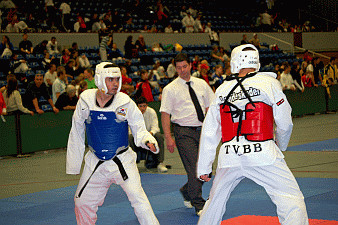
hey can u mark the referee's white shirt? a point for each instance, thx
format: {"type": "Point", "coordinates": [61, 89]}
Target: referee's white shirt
{"type": "Point", "coordinates": [177, 102]}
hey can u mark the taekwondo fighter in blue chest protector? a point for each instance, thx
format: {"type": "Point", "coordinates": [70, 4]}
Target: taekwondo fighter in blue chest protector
{"type": "Point", "coordinates": [104, 114]}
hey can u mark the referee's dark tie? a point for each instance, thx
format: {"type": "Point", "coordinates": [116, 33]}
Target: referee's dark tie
{"type": "Point", "coordinates": [197, 105]}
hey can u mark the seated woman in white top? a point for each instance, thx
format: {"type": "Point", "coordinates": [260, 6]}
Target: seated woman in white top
{"type": "Point", "coordinates": [13, 98]}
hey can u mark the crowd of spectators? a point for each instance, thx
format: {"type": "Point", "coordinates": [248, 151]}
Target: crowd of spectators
{"type": "Point", "coordinates": [142, 16]}
{"type": "Point", "coordinates": [63, 76]}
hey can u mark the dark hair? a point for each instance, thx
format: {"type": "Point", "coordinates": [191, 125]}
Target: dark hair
{"type": "Point", "coordinates": [7, 39]}
{"type": "Point", "coordinates": [180, 57]}
{"type": "Point", "coordinates": [141, 100]}
{"type": "Point", "coordinates": [89, 70]}
{"type": "Point", "coordinates": [248, 49]}
{"type": "Point", "coordinates": [110, 65]}
{"type": "Point", "coordinates": [12, 85]}
{"type": "Point", "coordinates": [332, 59]}
{"type": "Point", "coordinates": [294, 65]}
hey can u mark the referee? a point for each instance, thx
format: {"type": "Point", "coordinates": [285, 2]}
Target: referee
{"type": "Point", "coordinates": [186, 99]}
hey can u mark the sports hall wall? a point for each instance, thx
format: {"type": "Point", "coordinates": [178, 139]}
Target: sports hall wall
{"type": "Point", "coordinates": [315, 41]}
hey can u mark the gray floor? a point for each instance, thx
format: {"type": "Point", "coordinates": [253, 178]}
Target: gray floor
{"type": "Point", "coordinates": [46, 170]}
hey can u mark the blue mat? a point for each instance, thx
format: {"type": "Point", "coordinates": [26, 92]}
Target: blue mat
{"type": "Point", "coordinates": [56, 207]}
{"type": "Point", "coordinates": [327, 145]}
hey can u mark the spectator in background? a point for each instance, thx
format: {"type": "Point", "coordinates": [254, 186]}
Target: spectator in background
{"type": "Point", "coordinates": [41, 48]}
{"type": "Point", "coordinates": [84, 62]}
{"type": "Point", "coordinates": [224, 55]}
{"type": "Point", "coordinates": [198, 25]}
{"type": "Point", "coordinates": [66, 16]}
{"type": "Point", "coordinates": [89, 78]}
{"type": "Point", "coordinates": [255, 41]}
{"type": "Point", "coordinates": [47, 60]}
{"type": "Point", "coordinates": [157, 47]}
{"type": "Point", "coordinates": [266, 21]}
{"type": "Point", "coordinates": [286, 79]}
{"type": "Point", "coordinates": [16, 26]}
{"type": "Point", "coordinates": [7, 4]}
{"type": "Point", "coordinates": [50, 77]}
{"type": "Point", "coordinates": [68, 99]}
{"type": "Point", "coordinates": [307, 56]}
{"type": "Point", "coordinates": [31, 23]}
{"type": "Point", "coordinates": [76, 82]}
{"type": "Point", "coordinates": [317, 68]}
{"type": "Point", "coordinates": [217, 77]}
{"type": "Point", "coordinates": [297, 78]}
{"type": "Point", "coordinates": [308, 80]}
{"type": "Point", "coordinates": [331, 71]}
{"type": "Point", "coordinates": [18, 65]}
{"type": "Point", "coordinates": [116, 21]}
{"type": "Point", "coordinates": [216, 55]}
{"type": "Point", "coordinates": [114, 52]}
{"type": "Point", "coordinates": [205, 72]}
{"type": "Point", "coordinates": [80, 24]}
{"type": "Point", "coordinates": [151, 122]}
{"type": "Point", "coordinates": [35, 90]}
{"type": "Point", "coordinates": [244, 40]}
{"type": "Point", "coordinates": [6, 47]}
{"type": "Point", "coordinates": [25, 46]}
{"type": "Point", "coordinates": [105, 42]}
{"type": "Point", "coordinates": [140, 44]}
{"type": "Point", "coordinates": [59, 85]}
{"type": "Point", "coordinates": [171, 69]}
{"type": "Point", "coordinates": [72, 70]}
{"type": "Point", "coordinates": [99, 26]}
{"type": "Point", "coordinates": [129, 47]}
{"type": "Point", "coordinates": [227, 70]}
{"type": "Point", "coordinates": [183, 12]}
{"type": "Point", "coordinates": [127, 86]}
{"type": "Point", "coordinates": [195, 62]}
{"type": "Point", "coordinates": [162, 18]}
{"type": "Point", "coordinates": [154, 77]}
{"type": "Point", "coordinates": [214, 39]}
{"type": "Point", "coordinates": [75, 47]}
{"type": "Point", "coordinates": [65, 57]}
{"type": "Point", "coordinates": [51, 12]}
{"type": "Point", "coordinates": [168, 29]}
{"type": "Point", "coordinates": [144, 88]}
{"type": "Point", "coordinates": [52, 46]}
{"type": "Point", "coordinates": [188, 23]}
{"type": "Point", "coordinates": [12, 97]}
{"type": "Point", "coordinates": [82, 87]}
{"type": "Point", "coordinates": [3, 110]}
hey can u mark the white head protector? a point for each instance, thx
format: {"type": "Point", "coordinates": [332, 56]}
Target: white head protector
{"type": "Point", "coordinates": [103, 70]}
{"type": "Point", "coordinates": [244, 59]}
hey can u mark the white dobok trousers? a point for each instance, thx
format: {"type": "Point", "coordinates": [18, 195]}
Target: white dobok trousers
{"type": "Point", "coordinates": [106, 174]}
{"type": "Point", "coordinates": [276, 179]}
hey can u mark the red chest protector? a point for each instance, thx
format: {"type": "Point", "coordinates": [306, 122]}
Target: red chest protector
{"type": "Point", "coordinates": [257, 126]}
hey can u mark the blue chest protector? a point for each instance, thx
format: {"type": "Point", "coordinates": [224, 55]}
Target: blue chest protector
{"type": "Point", "coordinates": [106, 134]}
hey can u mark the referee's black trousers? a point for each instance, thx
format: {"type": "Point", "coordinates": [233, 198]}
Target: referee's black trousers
{"type": "Point", "coordinates": [187, 142]}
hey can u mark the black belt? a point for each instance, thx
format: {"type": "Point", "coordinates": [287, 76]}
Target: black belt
{"type": "Point", "coordinates": [119, 165]}
{"type": "Point", "coordinates": [193, 128]}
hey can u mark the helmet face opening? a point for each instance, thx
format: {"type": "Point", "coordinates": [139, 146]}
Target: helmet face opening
{"type": "Point", "coordinates": [244, 56]}
{"type": "Point", "coordinates": [104, 70]}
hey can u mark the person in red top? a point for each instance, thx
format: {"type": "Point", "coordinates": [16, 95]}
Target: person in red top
{"type": "Point", "coordinates": [204, 72]}
{"type": "Point", "coordinates": [144, 87]}
{"type": "Point", "coordinates": [127, 87]}
{"type": "Point", "coordinates": [2, 105]}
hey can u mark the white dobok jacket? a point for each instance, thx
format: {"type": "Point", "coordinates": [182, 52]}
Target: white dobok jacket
{"type": "Point", "coordinates": [240, 150]}
{"type": "Point", "coordinates": [121, 110]}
